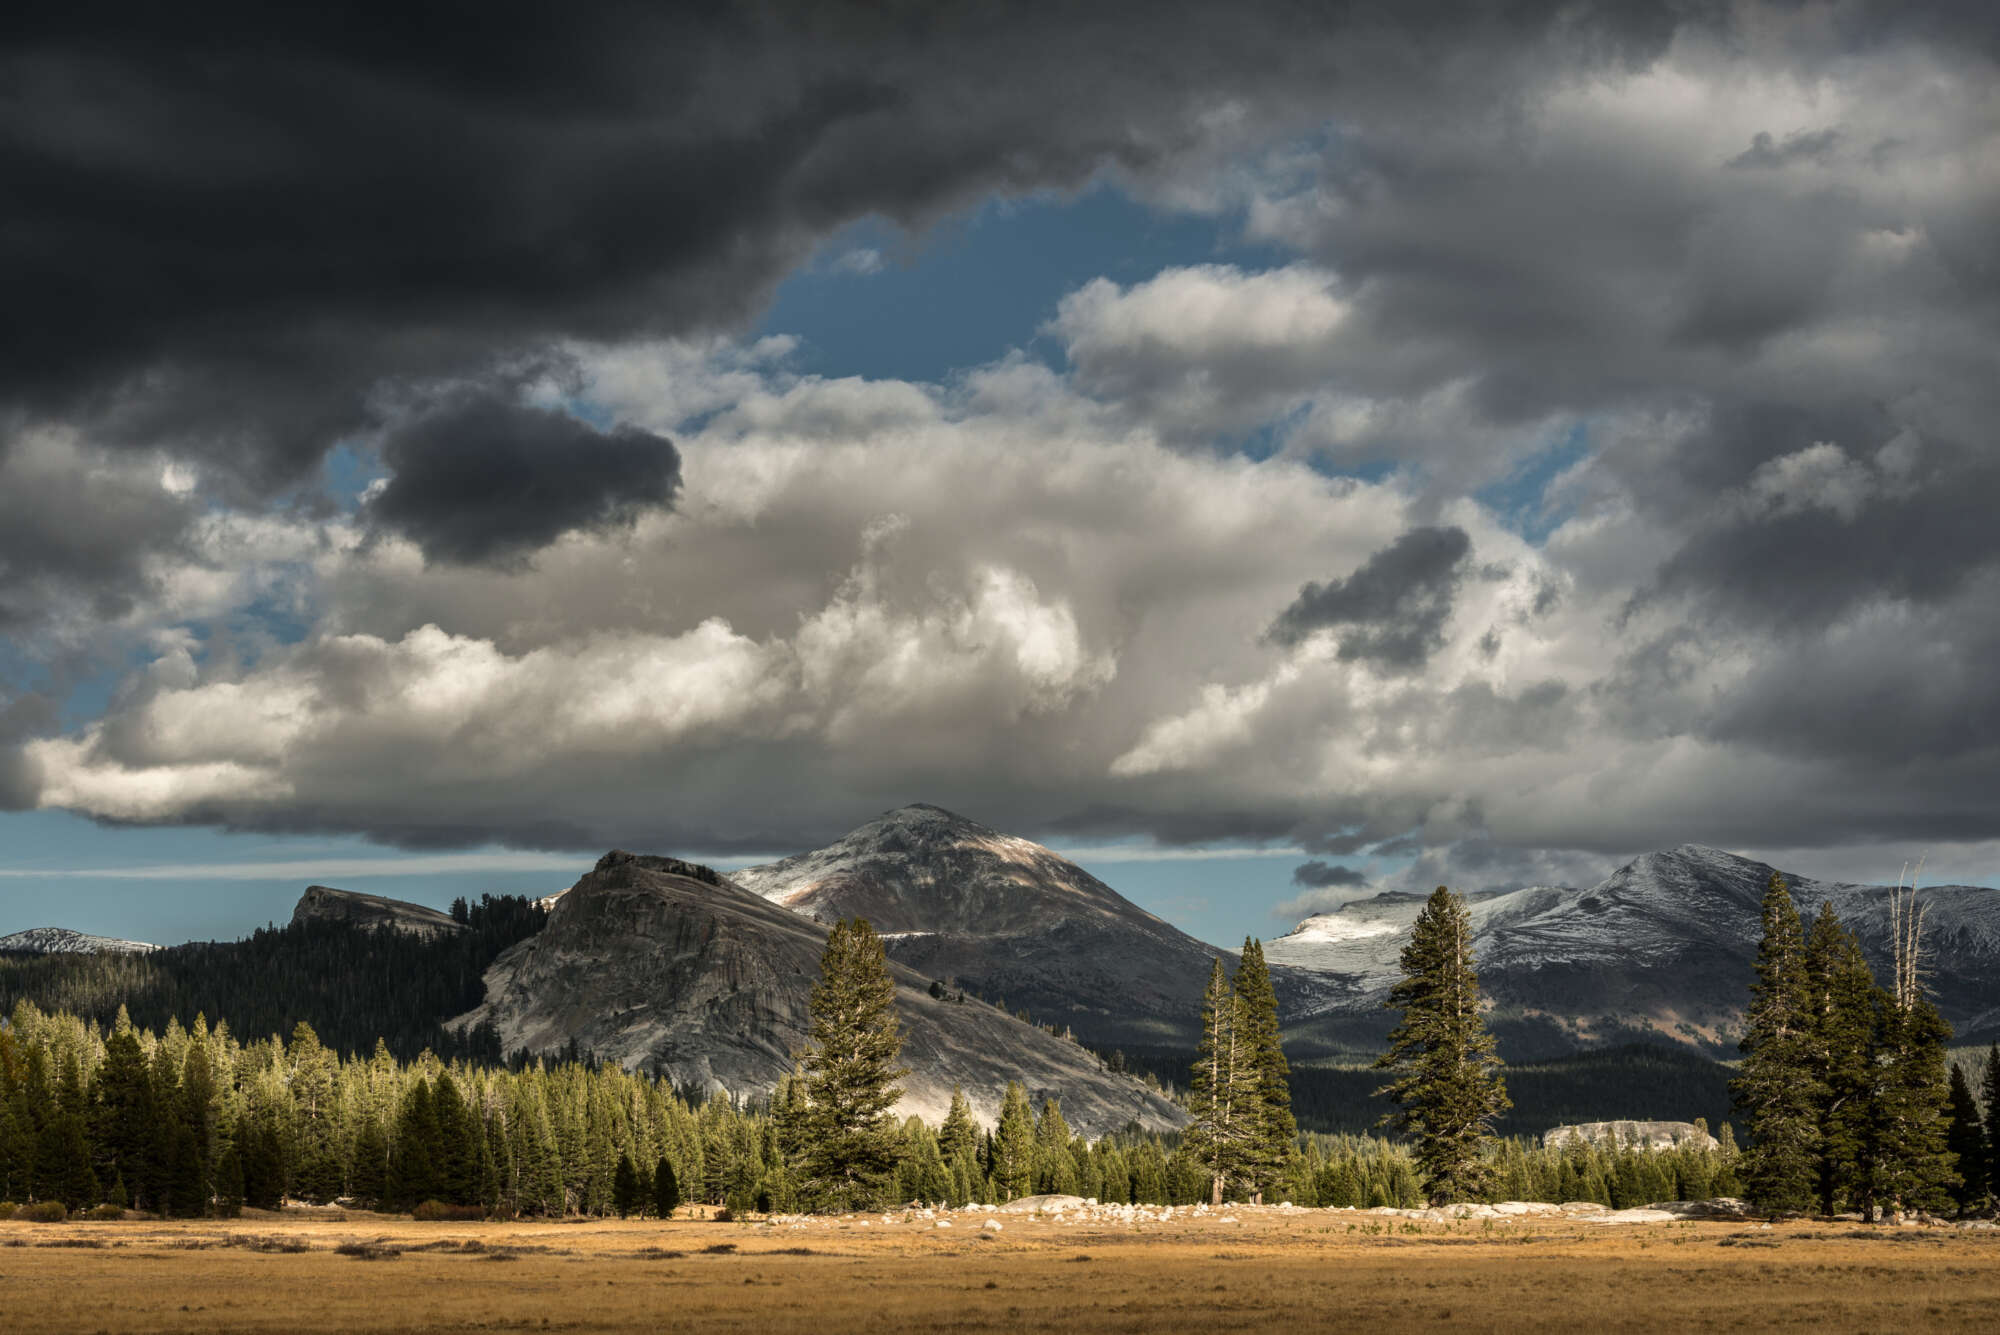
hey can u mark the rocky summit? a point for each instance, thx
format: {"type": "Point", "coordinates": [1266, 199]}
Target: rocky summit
{"type": "Point", "coordinates": [1660, 950]}
{"type": "Point", "coordinates": [661, 965]}
{"type": "Point", "coordinates": [1006, 918]}
{"type": "Point", "coordinates": [323, 903]}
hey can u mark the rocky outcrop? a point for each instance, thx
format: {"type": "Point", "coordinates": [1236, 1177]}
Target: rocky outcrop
{"type": "Point", "coordinates": [657, 967]}
{"type": "Point", "coordinates": [63, 941]}
{"type": "Point", "coordinates": [1660, 950]}
{"type": "Point", "coordinates": [322, 903]}
{"type": "Point", "coordinates": [1639, 1135]}
{"type": "Point", "coordinates": [1006, 918]}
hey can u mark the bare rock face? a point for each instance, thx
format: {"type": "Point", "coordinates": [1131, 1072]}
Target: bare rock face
{"type": "Point", "coordinates": [63, 941]}
{"type": "Point", "coordinates": [1005, 917]}
{"type": "Point", "coordinates": [661, 965]}
{"type": "Point", "coordinates": [1639, 1135]}
{"type": "Point", "coordinates": [321, 903]}
{"type": "Point", "coordinates": [1660, 950]}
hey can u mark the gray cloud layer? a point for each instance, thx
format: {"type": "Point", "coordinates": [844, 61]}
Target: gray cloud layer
{"type": "Point", "coordinates": [1702, 297]}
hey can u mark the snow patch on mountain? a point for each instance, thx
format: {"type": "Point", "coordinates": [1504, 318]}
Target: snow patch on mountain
{"type": "Point", "coordinates": [63, 941]}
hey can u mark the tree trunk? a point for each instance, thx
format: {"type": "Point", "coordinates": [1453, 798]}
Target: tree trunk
{"type": "Point", "coordinates": [1215, 1190]}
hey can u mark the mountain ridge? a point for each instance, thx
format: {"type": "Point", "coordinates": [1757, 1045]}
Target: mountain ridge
{"type": "Point", "coordinates": [695, 976]}
{"type": "Point", "coordinates": [1661, 948]}
{"type": "Point", "coordinates": [66, 941]}
{"type": "Point", "coordinates": [1017, 922]}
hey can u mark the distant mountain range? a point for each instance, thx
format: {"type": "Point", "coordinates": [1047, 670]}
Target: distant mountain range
{"type": "Point", "coordinates": [665, 964]}
{"type": "Point", "coordinates": [1660, 950]}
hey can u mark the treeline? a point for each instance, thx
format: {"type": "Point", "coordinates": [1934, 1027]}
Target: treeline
{"type": "Point", "coordinates": [355, 986]}
{"type": "Point", "coordinates": [1849, 1101]}
{"type": "Point", "coordinates": [193, 1121]}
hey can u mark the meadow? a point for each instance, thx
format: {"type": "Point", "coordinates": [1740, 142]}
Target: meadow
{"type": "Point", "coordinates": [1240, 1270]}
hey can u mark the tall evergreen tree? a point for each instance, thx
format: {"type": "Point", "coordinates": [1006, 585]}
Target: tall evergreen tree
{"type": "Point", "coordinates": [368, 1181]}
{"type": "Point", "coordinates": [413, 1168]}
{"type": "Point", "coordinates": [318, 1176]}
{"type": "Point", "coordinates": [1912, 1162]}
{"type": "Point", "coordinates": [1222, 1135]}
{"type": "Point", "coordinates": [1446, 1076]}
{"type": "Point", "coordinates": [1967, 1141]}
{"type": "Point", "coordinates": [959, 1135]}
{"type": "Point", "coordinates": [63, 1170]}
{"type": "Point", "coordinates": [126, 1116]}
{"type": "Point", "coordinates": [1841, 1000]}
{"type": "Point", "coordinates": [1013, 1153]}
{"type": "Point", "coordinates": [1989, 1093]}
{"type": "Point", "coordinates": [851, 1071]}
{"type": "Point", "coordinates": [625, 1194]}
{"type": "Point", "coordinates": [460, 1138]}
{"type": "Point", "coordinates": [1779, 1089]}
{"type": "Point", "coordinates": [666, 1189]}
{"type": "Point", "coordinates": [1275, 1132]}
{"type": "Point", "coordinates": [1055, 1170]}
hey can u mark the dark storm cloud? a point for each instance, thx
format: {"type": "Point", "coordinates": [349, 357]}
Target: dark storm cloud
{"type": "Point", "coordinates": [1804, 146]}
{"type": "Point", "coordinates": [1392, 610]}
{"type": "Point", "coordinates": [482, 479]}
{"type": "Point", "coordinates": [75, 530]}
{"type": "Point", "coordinates": [223, 229]}
{"type": "Point", "coordinates": [1320, 875]}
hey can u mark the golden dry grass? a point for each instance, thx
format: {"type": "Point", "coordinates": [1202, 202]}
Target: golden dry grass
{"type": "Point", "coordinates": [1271, 1271]}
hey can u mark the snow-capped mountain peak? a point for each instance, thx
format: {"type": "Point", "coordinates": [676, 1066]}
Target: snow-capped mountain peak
{"type": "Point", "coordinates": [63, 941]}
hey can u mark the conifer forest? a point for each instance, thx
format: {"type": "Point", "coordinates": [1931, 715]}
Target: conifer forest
{"type": "Point", "coordinates": [1845, 1095]}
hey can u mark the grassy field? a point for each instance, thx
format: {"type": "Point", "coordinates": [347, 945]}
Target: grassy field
{"type": "Point", "coordinates": [1269, 1270]}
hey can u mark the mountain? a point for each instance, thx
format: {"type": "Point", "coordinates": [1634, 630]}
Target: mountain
{"type": "Point", "coordinates": [1005, 918]}
{"type": "Point", "coordinates": [1661, 949]}
{"type": "Point", "coordinates": [63, 941]}
{"type": "Point", "coordinates": [660, 964]}
{"type": "Point", "coordinates": [323, 903]}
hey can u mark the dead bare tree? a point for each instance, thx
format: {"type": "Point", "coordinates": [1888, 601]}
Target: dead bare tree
{"type": "Point", "coordinates": [1906, 932]}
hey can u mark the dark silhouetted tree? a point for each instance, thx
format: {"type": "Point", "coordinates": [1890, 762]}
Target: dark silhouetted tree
{"type": "Point", "coordinates": [1779, 1089]}
{"type": "Point", "coordinates": [1446, 1075]}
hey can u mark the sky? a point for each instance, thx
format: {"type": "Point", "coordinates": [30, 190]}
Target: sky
{"type": "Point", "coordinates": [1271, 453]}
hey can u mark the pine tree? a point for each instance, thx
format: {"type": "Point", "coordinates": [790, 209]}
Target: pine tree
{"type": "Point", "coordinates": [960, 1133]}
{"type": "Point", "coordinates": [318, 1176]}
{"type": "Point", "coordinates": [1275, 1132]}
{"type": "Point", "coordinates": [1841, 1003]}
{"type": "Point", "coordinates": [1055, 1170]}
{"type": "Point", "coordinates": [459, 1141]}
{"type": "Point", "coordinates": [625, 1187]}
{"type": "Point", "coordinates": [1013, 1156]}
{"type": "Point", "coordinates": [1989, 1092]}
{"type": "Point", "coordinates": [126, 1115]}
{"type": "Point", "coordinates": [851, 1071]}
{"type": "Point", "coordinates": [1967, 1141]}
{"type": "Point", "coordinates": [1222, 1091]}
{"type": "Point", "coordinates": [413, 1167]}
{"type": "Point", "coordinates": [666, 1189]}
{"type": "Point", "coordinates": [1778, 1088]}
{"type": "Point", "coordinates": [1911, 1154]}
{"type": "Point", "coordinates": [368, 1181]}
{"type": "Point", "coordinates": [1446, 1076]}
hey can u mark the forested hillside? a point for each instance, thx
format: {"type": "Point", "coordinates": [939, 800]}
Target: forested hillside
{"type": "Point", "coordinates": [351, 984]}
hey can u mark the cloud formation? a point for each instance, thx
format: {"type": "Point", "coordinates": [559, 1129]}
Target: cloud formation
{"type": "Point", "coordinates": [482, 479]}
{"type": "Point", "coordinates": [1603, 460]}
{"type": "Point", "coordinates": [1393, 609]}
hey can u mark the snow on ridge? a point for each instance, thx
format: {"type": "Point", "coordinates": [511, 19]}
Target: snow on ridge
{"type": "Point", "coordinates": [64, 941]}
